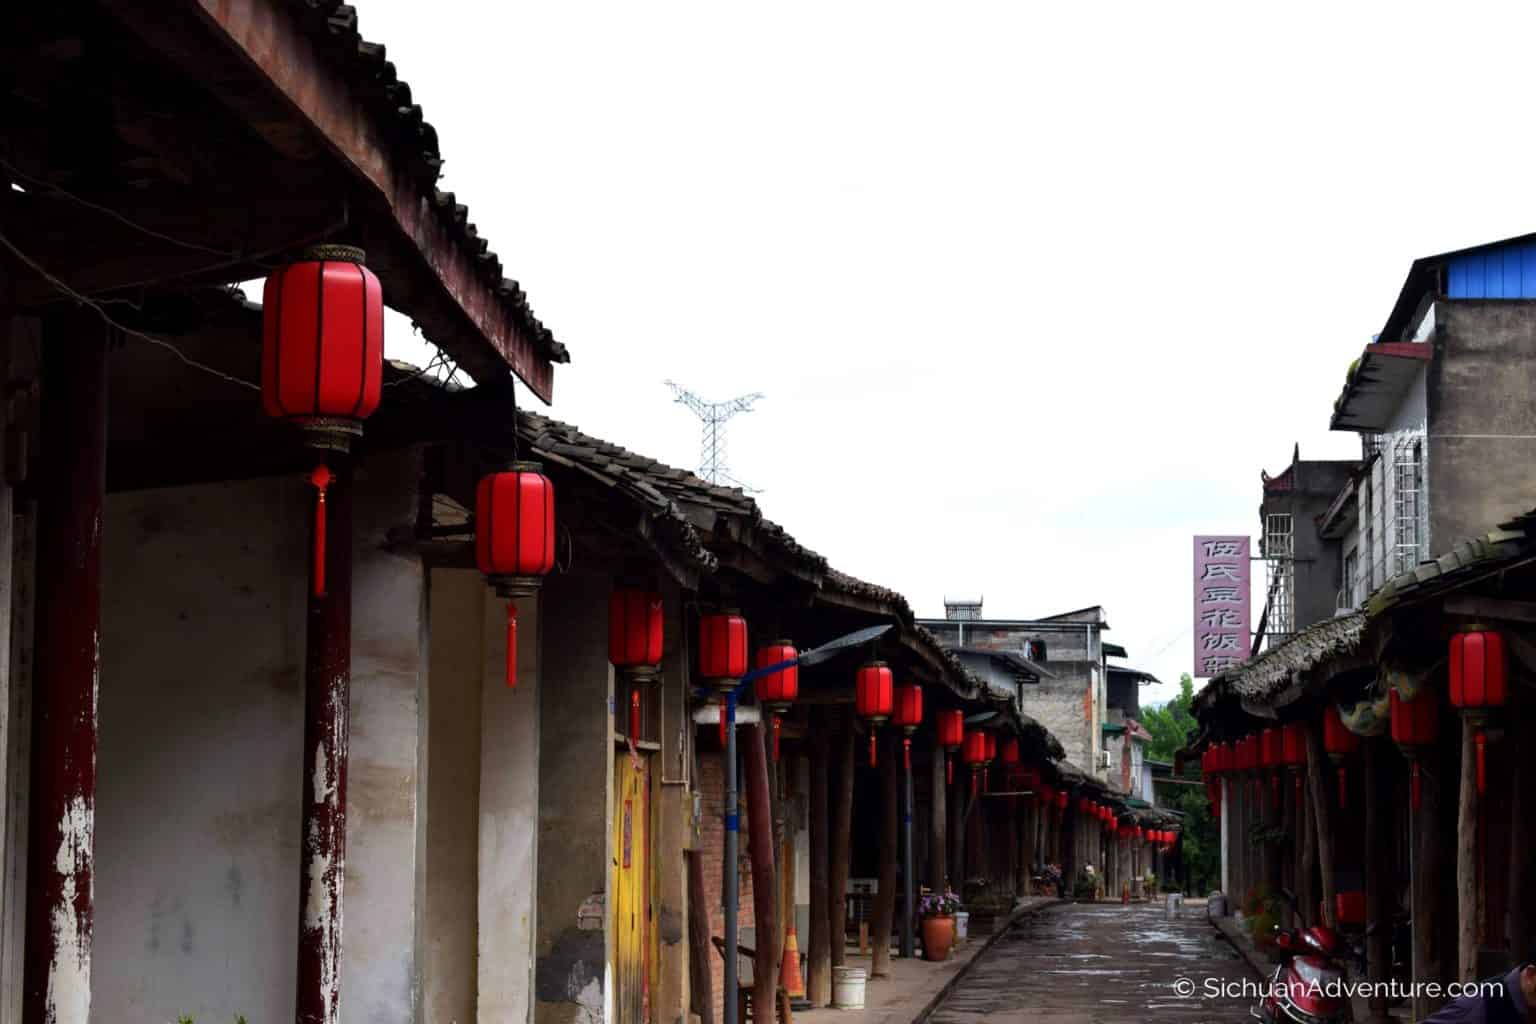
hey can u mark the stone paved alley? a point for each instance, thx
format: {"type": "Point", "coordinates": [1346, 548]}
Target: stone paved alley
{"type": "Point", "coordinates": [1087, 963]}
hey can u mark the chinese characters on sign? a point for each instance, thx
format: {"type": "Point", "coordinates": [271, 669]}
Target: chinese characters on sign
{"type": "Point", "coordinates": [1221, 604]}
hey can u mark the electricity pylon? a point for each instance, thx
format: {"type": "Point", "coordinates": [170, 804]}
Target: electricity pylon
{"type": "Point", "coordinates": [714, 416]}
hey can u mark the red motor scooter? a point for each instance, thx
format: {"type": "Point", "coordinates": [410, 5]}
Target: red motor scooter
{"type": "Point", "coordinates": [1308, 986]}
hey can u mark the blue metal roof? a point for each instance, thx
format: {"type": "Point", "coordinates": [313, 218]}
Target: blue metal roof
{"type": "Point", "coordinates": [1493, 270]}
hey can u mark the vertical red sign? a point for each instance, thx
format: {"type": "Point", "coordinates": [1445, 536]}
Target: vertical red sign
{"type": "Point", "coordinates": [1222, 606]}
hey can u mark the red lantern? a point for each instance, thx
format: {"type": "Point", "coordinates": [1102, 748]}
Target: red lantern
{"type": "Point", "coordinates": [908, 716]}
{"type": "Point", "coordinates": [723, 656]}
{"type": "Point", "coordinates": [975, 754]}
{"type": "Point", "coordinates": [1479, 683]}
{"type": "Point", "coordinates": [1010, 752]}
{"type": "Point", "coordinates": [322, 359]}
{"type": "Point", "coordinates": [875, 696]}
{"type": "Point", "coordinates": [1061, 800]}
{"type": "Point", "coordinates": [515, 538]}
{"type": "Point", "coordinates": [1339, 743]}
{"type": "Point", "coordinates": [1415, 727]}
{"type": "Point", "coordinates": [1293, 752]}
{"type": "Point", "coordinates": [634, 631]}
{"type": "Point", "coordinates": [951, 738]}
{"type": "Point", "coordinates": [776, 691]}
{"type": "Point", "coordinates": [1272, 754]}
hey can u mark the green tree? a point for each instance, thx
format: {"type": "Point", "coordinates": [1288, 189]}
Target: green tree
{"type": "Point", "coordinates": [1172, 725]}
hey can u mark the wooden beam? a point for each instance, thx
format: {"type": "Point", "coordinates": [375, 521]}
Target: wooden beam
{"type": "Point", "coordinates": [1466, 857]}
{"type": "Point", "coordinates": [1486, 608]}
{"type": "Point", "coordinates": [842, 839]}
{"type": "Point", "coordinates": [260, 61]}
{"type": "Point", "coordinates": [819, 966]}
{"type": "Point", "coordinates": [938, 820]}
{"type": "Point", "coordinates": [1379, 872]}
{"type": "Point", "coordinates": [1317, 776]}
{"type": "Point", "coordinates": [700, 982]}
{"type": "Point", "coordinates": [885, 891]}
{"type": "Point", "coordinates": [760, 845]}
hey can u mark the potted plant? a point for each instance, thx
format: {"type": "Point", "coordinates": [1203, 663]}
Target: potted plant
{"type": "Point", "coordinates": [938, 913]}
{"type": "Point", "coordinates": [1050, 876]}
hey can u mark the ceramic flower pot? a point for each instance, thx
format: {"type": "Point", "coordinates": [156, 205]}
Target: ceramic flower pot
{"type": "Point", "coordinates": [938, 937]}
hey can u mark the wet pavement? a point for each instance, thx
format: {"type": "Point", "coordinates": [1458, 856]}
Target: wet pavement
{"type": "Point", "coordinates": [1081, 963]}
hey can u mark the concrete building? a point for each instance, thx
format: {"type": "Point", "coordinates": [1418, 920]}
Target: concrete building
{"type": "Point", "coordinates": [1068, 698]}
{"type": "Point", "coordinates": [1303, 568]}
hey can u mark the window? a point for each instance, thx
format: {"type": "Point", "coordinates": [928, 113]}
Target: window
{"type": "Point", "coordinates": [1347, 596]}
{"type": "Point", "coordinates": [1367, 523]}
{"type": "Point", "coordinates": [1034, 650]}
{"type": "Point", "coordinates": [1279, 551]}
{"type": "Point", "coordinates": [1408, 485]}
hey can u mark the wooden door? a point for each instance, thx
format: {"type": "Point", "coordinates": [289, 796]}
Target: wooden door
{"type": "Point", "coordinates": [632, 891]}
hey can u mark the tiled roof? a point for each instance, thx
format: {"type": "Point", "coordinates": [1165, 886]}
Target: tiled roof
{"type": "Point", "coordinates": [413, 140]}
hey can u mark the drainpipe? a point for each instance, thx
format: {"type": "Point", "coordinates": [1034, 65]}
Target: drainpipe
{"type": "Point", "coordinates": [61, 849]}
{"type": "Point", "coordinates": [327, 686]}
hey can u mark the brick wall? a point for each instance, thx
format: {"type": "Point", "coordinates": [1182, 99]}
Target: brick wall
{"type": "Point", "coordinates": [711, 782]}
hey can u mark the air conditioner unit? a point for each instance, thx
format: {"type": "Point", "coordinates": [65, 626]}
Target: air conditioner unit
{"type": "Point", "coordinates": [1104, 761]}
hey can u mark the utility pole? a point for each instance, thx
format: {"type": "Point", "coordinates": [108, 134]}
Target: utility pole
{"type": "Point", "coordinates": [714, 416]}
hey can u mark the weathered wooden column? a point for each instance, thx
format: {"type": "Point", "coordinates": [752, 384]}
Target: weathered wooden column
{"type": "Point", "coordinates": [1466, 856]}
{"type": "Point", "coordinates": [760, 845]}
{"type": "Point", "coordinates": [1317, 776]}
{"type": "Point", "coordinates": [61, 855]}
{"type": "Point", "coordinates": [1432, 835]}
{"type": "Point", "coordinates": [323, 838]}
{"type": "Point", "coordinates": [938, 819]}
{"type": "Point", "coordinates": [818, 984]}
{"type": "Point", "coordinates": [885, 884]}
{"type": "Point", "coordinates": [1290, 796]}
{"type": "Point", "coordinates": [1520, 919]}
{"type": "Point", "coordinates": [1306, 888]}
{"type": "Point", "coordinates": [1378, 871]}
{"type": "Point", "coordinates": [842, 841]}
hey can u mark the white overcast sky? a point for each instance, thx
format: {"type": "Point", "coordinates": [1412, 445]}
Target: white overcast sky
{"type": "Point", "coordinates": [1033, 290]}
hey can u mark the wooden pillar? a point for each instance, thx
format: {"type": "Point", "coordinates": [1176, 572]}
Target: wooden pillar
{"type": "Point", "coordinates": [1285, 853]}
{"type": "Point", "coordinates": [957, 832]}
{"type": "Point", "coordinates": [938, 821]}
{"type": "Point", "coordinates": [842, 840]}
{"type": "Point", "coordinates": [1520, 919]}
{"type": "Point", "coordinates": [760, 846]}
{"type": "Point", "coordinates": [1378, 869]}
{"type": "Point", "coordinates": [61, 852]}
{"type": "Point", "coordinates": [327, 700]}
{"type": "Point", "coordinates": [1431, 823]}
{"type": "Point", "coordinates": [885, 891]}
{"type": "Point", "coordinates": [1317, 780]}
{"type": "Point", "coordinates": [818, 982]}
{"type": "Point", "coordinates": [700, 985]}
{"type": "Point", "coordinates": [1306, 885]}
{"type": "Point", "coordinates": [1299, 836]}
{"type": "Point", "coordinates": [1466, 857]}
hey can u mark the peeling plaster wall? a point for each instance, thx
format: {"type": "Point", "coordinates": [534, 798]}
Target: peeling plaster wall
{"type": "Point", "coordinates": [452, 915]}
{"type": "Point", "coordinates": [508, 817]}
{"type": "Point", "coordinates": [575, 800]}
{"type": "Point", "coordinates": [197, 814]}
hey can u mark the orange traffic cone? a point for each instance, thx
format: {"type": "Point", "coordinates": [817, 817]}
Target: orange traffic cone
{"type": "Point", "coordinates": [789, 970]}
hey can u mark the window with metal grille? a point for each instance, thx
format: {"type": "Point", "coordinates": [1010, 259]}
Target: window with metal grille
{"type": "Point", "coordinates": [1407, 502]}
{"type": "Point", "coordinates": [1279, 551]}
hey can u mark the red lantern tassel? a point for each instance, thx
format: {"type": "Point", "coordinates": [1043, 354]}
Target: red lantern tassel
{"type": "Point", "coordinates": [634, 714]}
{"type": "Point", "coordinates": [511, 644]}
{"type": "Point", "coordinates": [949, 769]}
{"type": "Point", "coordinates": [1415, 785]}
{"type": "Point", "coordinates": [1482, 765]}
{"type": "Point", "coordinates": [1343, 786]}
{"type": "Point", "coordinates": [906, 753]}
{"type": "Point", "coordinates": [975, 782]}
{"type": "Point", "coordinates": [776, 720]}
{"type": "Point", "coordinates": [722, 722]}
{"type": "Point", "coordinates": [871, 748]}
{"type": "Point", "coordinates": [321, 479]}
{"type": "Point", "coordinates": [1297, 787]}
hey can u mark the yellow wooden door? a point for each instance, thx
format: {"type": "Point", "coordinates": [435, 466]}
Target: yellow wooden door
{"type": "Point", "coordinates": [632, 914]}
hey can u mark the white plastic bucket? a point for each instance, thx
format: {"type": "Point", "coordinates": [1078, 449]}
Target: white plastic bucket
{"type": "Point", "coordinates": [962, 924]}
{"type": "Point", "coordinates": [848, 988]}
